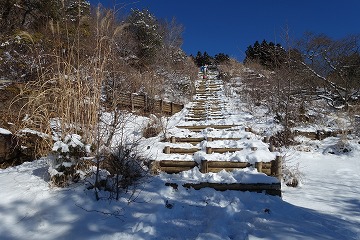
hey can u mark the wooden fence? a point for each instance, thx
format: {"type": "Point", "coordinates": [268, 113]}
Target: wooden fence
{"type": "Point", "coordinates": [321, 134]}
{"type": "Point", "coordinates": [143, 103]}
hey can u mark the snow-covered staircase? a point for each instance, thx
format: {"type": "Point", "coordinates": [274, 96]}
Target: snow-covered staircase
{"type": "Point", "coordinates": [208, 144]}
{"type": "Point", "coordinates": [207, 103]}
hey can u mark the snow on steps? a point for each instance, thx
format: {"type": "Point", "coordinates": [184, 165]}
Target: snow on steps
{"type": "Point", "coordinates": [199, 128]}
{"type": "Point", "coordinates": [272, 168]}
{"type": "Point", "coordinates": [208, 105]}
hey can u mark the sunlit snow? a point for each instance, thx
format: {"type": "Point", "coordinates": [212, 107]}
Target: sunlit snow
{"type": "Point", "coordinates": [326, 205]}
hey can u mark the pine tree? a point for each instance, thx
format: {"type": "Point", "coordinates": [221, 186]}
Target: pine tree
{"type": "Point", "coordinates": [145, 31]}
{"type": "Point", "coordinates": [199, 59]}
{"type": "Point", "coordinates": [249, 53]}
{"type": "Point", "coordinates": [267, 54]}
{"type": "Point", "coordinates": [207, 59]}
{"type": "Point", "coordinates": [221, 58]}
{"type": "Point", "coordinates": [75, 9]}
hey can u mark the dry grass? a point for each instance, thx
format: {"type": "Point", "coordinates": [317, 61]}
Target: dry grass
{"type": "Point", "coordinates": [66, 98]}
{"type": "Point", "coordinates": [230, 69]}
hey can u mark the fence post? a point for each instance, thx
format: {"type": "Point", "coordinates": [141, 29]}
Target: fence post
{"type": "Point", "coordinates": [271, 148]}
{"type": "Point", "coordinates": [146, 100]}
{"type": "Point", "coordinates": [161, 106]}
{"type": "Point", "coordinates": [248, 129]}
{"type": "Point", "coordinates": [208, 150]}
{"type": "Point", "coordinates": [155, 167]}
{"type": "Point", "coordinates": [258, 166]}
{"type": "Point", "coordinates": [172, 108]}
{"type": "Point", "coordinates": [132, 102]}
{"type": "Point", "coordinates": [278, 167]}
{"type": "Point", "coordinates": [204, 166]}
{"type": "Point", "coordinates": [167, 150]}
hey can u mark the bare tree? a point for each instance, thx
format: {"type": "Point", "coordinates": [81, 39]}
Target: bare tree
{"type": "Point", "coordinates": [335, 64]}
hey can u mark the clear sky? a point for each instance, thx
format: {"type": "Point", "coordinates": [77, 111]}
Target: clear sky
{"type": "Point", "coordinates": [230, 26]}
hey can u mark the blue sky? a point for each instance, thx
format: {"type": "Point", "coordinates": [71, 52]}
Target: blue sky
{"type": "Point", "coordinates": [230, 26]}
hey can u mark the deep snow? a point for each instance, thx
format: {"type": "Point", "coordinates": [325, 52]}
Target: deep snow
{"type": "Point", "coordinates": [325, 206]}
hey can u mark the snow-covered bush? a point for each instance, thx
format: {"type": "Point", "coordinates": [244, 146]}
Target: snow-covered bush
{"type": "Point", "coordinates": [291, 175]}
{"type": "Point", "coordinates": [65, 160]}
{"type": "Point", "coordinates": [71, 149]}
{"type": "Point", "coordinates": [342, 146]}
{"type": "Point", "coordinates": [151, 130]}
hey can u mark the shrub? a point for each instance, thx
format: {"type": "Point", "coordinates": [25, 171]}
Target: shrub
{"type": "Point", "coordinates": [283, 138]}
{"type": "Point", "coordinates": [292, 175]}
{"type": "Point", "coordinates": [65, 159]}
{"type": "Point", "coordinates": [126, 168]}
{"type": "Point", "coordinates": [156, 125]}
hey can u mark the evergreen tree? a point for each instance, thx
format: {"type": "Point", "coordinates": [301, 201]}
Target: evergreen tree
{"type": "Point", "coordinates": [144, 29]}
{"type": "Point", "coordinates": [267, 54]}
{"type": "Point", "coordinates": [202, 59]}
{"type": "Point", "coordinates": [75, 9]}
{"type": "Point", "coordinates": [257, 49]}
{"type": "Point", "coordinates": [249, 53]}
{"type": "Point", "coordinates": [199, 59]}
{"type": "Point", "coordinates": [207, 59]}
{"type": "Point", "coordinates": [221, 58]}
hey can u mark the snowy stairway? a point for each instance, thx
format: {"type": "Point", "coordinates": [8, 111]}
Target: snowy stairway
{"type": "Point", "coordinates": [211, 146]}
{"type": "Point", "coordinates": [271, 168]}
{"type": "Point", "coordinates": [201, 110]}
{"type": "Point", "coordinates": [207, 103]}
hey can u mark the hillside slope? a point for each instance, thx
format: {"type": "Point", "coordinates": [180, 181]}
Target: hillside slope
{"type": "Point", "coordinates": [325, 205]}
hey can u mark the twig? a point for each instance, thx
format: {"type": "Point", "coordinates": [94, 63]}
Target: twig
{"type": "Point", "coordinates": [115, 214]}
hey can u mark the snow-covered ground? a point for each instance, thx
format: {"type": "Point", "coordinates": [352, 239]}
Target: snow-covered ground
{"type": "Point", "coordinates": [326, 205]}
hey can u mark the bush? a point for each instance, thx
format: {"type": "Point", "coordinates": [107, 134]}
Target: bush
{"type": "Point", "coordinates": [156, 125]}
{"type": "Point", "coordinates": [292, 175]}
{"type": "Point", "coordinates": [283, 138]}
{"type": "Point", "coordinates": [126, 168]}
{"type": "Point", "coordinates": [65, 160]}
{"type": "Point", "coordinates": [151, 130]}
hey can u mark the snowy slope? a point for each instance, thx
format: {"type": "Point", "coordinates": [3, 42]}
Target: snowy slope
{"type": "Point", "coordinates": [317, 210]}
{"type": "Point", "coordinates": [325, 206]}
